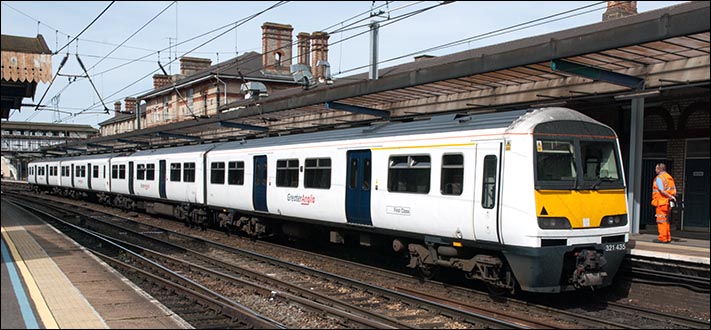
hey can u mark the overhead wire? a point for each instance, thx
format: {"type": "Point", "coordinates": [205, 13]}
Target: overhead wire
{"type": "Point", "coordinates": [198, 36]}
{"type": "Point", "coordinates": [443, 46]}
{"type": "Point", "coordinates": [398, 18]}
{"type": "Point", "coordinates": [87, 27]}
{"type": "Point", "coordinates": [64, 60]}
{"type": "Point", "coordinates": [509, 29]}
{"type": "Point", "coordinates": [66, 34]}
{"type": "Point", "coordinates": [394, 20]}
{"type": "Point", "coordinates": [236, 24]}
{"type": "Point", "coordinates": [132, 35]}
{"type": "Point", "coordinates": [116, 48]}
{"type": "Point", "coordinates": [229, 65]}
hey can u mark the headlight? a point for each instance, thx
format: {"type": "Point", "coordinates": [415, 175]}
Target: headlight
{"type": "Point", "coordinates": [614, 221]}
{"type": "Point", "coordinates": [554, 223]}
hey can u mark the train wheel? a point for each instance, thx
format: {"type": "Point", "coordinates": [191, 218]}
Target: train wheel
{"type": "Point", "coordinates": [427, 272]}
{"type": "Point", "coordinates": [497, 291]}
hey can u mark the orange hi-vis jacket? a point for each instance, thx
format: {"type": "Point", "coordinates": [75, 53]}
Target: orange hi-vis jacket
{"type": "Point", "coordinates": [657, 198]}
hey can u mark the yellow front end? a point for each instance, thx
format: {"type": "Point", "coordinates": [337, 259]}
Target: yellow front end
{"type": "Point", "coordinates": [582, 208]}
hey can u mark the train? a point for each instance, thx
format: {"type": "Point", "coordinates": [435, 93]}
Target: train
{"type": "Point", "coordinates": [526, 200]}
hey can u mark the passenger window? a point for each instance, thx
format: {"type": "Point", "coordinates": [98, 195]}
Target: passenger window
{"type": "Point", "coordinates": [452, 175]}
{"type": "Point", "coordinates": [317, 173]}
{"type": "Point", "coordinates": [409, 174]}
{"type": "Point", "coordinates": [188, 172]}
{"type": "Point", "coordinates": [366, 175]}
{"type": "Point", "coordinates": [122, 172]}
{"type": "Point", "coordinates": [141, 172]}
{"type": "Point", "coordinates": [488, 193]}
{"type": "Point", "coordinates": [95, 171]}
{"type": "Point", "coordinates": [354, 174]}
{"type": "Point", "coordinates": [175, 172]}
{"type": "Point", "coordinates": [217, 173]}
{"type": "Point", "coordinates": [287, 173]}
{"type": "Point", "coordinates": [150, 172]}
{"type": "Point", "coordinates": [235, 173]}
{"type": "Point", "coordinates": [114, 171]}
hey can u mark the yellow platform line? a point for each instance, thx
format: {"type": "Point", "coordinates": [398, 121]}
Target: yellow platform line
{"type": "Point", "coordinates": [40, 304]}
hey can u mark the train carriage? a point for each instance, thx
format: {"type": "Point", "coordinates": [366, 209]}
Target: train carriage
{"type": "Point", "coordinates": [175, 174]}
{"type": "Point", "coordinates": [529, 199]}
{"type": "Point", "coordinates": [121, 172]}
{"type": "Point", "coordinates": [89, 172]}
{"type": "Point", "coordinates": [40, 173]}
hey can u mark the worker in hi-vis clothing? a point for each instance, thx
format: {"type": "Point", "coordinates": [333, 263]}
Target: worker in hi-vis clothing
{"type": "Point", "coordinates": [663, 198]}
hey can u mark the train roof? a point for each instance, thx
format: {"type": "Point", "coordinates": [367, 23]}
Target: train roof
{"type": "Point", "coordinates": [532, 121]}
{"type": "Point", "coordinates": [436, 124]}
{"type": "Point", "coordinates": [75, 158]}
{"type": "Point", "coordinates": [560, 121]}
{"type": "Point", "coordinates": [199, 148]}
{"type": "Point", "coordinates": [543, 120]}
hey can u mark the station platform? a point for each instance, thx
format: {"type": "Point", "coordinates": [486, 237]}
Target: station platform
{"type": "Point", "coordinates": [50, 282]}
{"type": "Point", "coordinates": [690, 247]}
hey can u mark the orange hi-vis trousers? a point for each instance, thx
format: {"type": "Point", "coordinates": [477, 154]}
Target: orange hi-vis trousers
{"type": "Point", "coordinates": [662, 215]}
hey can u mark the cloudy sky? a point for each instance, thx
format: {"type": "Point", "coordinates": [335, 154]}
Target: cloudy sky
{"type": "Point", "coordinates": [123, 41]}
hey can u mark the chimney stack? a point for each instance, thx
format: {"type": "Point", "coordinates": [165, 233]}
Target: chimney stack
{"type": "Point", "coordinates": [191, 65]}
{"type": "Point", "coordinates": [618, 9]}
{"type": "Point", "coordinates": [421, 58]}
{"type": "Point", "coordinates": [160, 80]}
{"type": "Point", "coordinates": [117, 108]}
{"type": "Point", "coordinates": [319, 51]}
{"type": "Point", "coordinates": [276, 48]}
{"type": "Point", "coordinates": [303, 41]}
{"type": "Point", "coordinates": [130, 104]}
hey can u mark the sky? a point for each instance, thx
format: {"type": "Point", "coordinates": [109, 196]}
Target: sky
{"type": "Point", "coordinates": [122, 47]}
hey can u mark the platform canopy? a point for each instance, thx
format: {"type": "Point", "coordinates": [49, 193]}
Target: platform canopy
{"type": "Point", "coordinates": [667, 50]}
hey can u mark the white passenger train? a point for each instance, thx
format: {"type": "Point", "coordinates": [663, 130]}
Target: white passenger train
{"type": "Point", "coordinates": [522, 199]}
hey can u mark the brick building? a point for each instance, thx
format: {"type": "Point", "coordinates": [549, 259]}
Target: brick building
{"type": "Point", "coordinates": [202, 87]}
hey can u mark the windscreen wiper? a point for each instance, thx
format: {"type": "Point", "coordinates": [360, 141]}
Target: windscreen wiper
{"type": "Point", "coordinates": [601, 180]}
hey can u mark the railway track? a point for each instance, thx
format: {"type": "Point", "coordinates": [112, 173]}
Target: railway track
{"type": "Point", "coordinates": [400, 310]}
{"type": "Point", "coordinates": [546, 316]}
{"type": "Point", "coordinates": [198, 306]}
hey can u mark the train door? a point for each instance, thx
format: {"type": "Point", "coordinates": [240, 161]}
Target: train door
{"type": "Point", "coordinates": [71, 174]}
{"type": "Point", "coordinates": [88, 175]}
{"type": "Point", "coordinates": [107, 179]}
{"type": "Point", "coordinates": [46, 174]}
{"type": "Point", "coordinates": [259, 186]}
{"type": "Point", "coordinates": [358, 187]}
{"type": "Point", "coordinates": [130, 178]}
{"type": "Point", "coordinates": [161, 178]}
{"type": "Point", "coordinates": [486, 192]}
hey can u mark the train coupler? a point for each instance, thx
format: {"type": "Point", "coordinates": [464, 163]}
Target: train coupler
{"type": "Point", "coordinates": [588, 269]}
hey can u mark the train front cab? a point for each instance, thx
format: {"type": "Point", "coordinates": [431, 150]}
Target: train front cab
{"type": "Point", "coordinates": [581, 209]}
